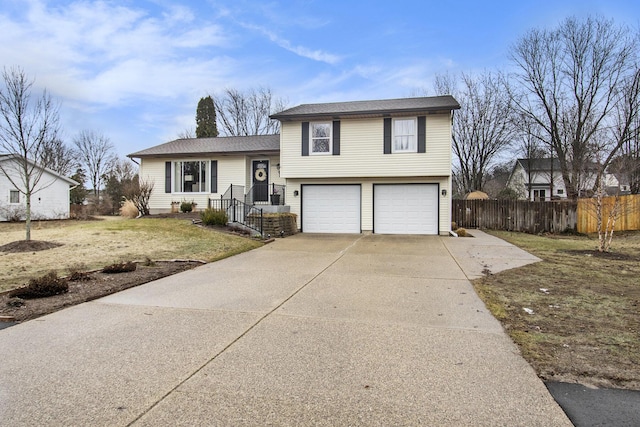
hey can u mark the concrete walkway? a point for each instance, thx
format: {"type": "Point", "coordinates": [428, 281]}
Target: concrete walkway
{"type": "Point", "coordinates": [309, 330]}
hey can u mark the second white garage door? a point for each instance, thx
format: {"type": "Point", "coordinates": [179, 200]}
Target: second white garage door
{"type": "Point", "coordinates": [405, 208]}
{"type": "Point", "coordinates": [331, 209]}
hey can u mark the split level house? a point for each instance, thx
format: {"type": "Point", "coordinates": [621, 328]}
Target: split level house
{"type": "Point", "coordinates": [541, 180]}
{"type": "Point", "coordinates": [50, 197]}
{"type": "Point", "coordinates": [379, 166]}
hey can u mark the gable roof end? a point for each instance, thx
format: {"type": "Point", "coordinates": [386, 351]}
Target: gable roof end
{"type": "Point", "coordinates": [378, 108]}
{"type": "Point", "coordinates": [68, 180]}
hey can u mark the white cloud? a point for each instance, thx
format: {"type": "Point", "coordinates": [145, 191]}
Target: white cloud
{"type": "Point", "coordinates": [305, 52]}
{"type": "Point", "coordinates": [98, 52]}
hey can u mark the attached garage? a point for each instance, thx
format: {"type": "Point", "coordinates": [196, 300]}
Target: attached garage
{"type": "Point", "coordinates": [331, 208]}
{"type": "Point", "coordinates": [405, 208]}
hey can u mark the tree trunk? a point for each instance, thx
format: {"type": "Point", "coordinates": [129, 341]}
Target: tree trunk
{"type": "Point", "coordinates": [28, 216]}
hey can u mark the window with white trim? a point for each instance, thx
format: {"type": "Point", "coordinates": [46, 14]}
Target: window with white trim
{"type": "Point", "coordinates": [321, 137]}
{"type": "Point", "coordinates": [404, 136]}
{"type": "Point", "coordinates": [191, 177]}
{"type": "Point", "coordinates": [14, 197]}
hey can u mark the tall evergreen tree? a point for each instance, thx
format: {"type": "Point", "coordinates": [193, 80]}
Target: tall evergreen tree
{"type": "Point", "coordinates": [206, 126]}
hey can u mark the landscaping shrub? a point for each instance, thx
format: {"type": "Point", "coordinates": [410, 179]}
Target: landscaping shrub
{"type": "Point", "coordinates": [77, 272]}
{"type": "Point", "coordinates": [122, 267]}
{"type": "Point", "coordinates": [454, 226]}
{"type": "Point", "coordinates": [461, 232]}
{"type": "Point", "coordinates": [45, 286]}
{"type": "Point", "coordinates": [211, 216]}
{"type": "Point", "coordinates": [129, 209]}
{"type": "Point", "coordinates": [186, 207]}
{"type": "Point", "coordinates": [79, 276]}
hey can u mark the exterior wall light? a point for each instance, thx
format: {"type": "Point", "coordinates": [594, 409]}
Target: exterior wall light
{"type": "Point", "coordinates": [295, 193]}
{"type": "Point", "coordinates": [444, 192]}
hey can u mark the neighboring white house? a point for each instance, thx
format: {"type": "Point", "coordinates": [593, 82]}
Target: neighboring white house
{"type": "Point", "coordinates": [532, 179]}
{"type": "Point", "coordinates": [379, 166]}
{"type": "Point", "coordinates": [50, 199]}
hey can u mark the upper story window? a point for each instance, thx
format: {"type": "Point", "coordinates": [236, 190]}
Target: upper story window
{"type": "Point", "coordinates": [320, 140]}
{"type": "Point", "coordinates": [14, 197]}
{"type": "Point", "coordinates": [190, 177]}
{"type": "Point", "coordinates": [404, 136]}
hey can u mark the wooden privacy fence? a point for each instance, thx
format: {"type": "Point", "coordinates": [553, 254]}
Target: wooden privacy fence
{"type": "Point", "coordinates": [628, 217]}
{"type": "Point", "coordinates": [515, 215]}
{"type": "Point", "coordinates": [534, 217]}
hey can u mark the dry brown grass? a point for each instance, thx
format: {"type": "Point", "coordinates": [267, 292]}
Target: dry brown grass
{"type": "Point", "coordinates": [99, 243]}
{"type": "Point", "coordinates": [585, 323]}
{"type": "Point", "coordinates": [129, 210]}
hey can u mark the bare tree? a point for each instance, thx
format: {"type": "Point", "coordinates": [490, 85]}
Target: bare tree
{"type": "Point", "coordinates": [247, 113]}
{"type": "Point", "coordinates": [534, 151]}
{"type": "Point", "coordinates": [121, 173]}
{"type": "Point", "coordinates": [26, 124]}
{"type": "Point", "coordinates": [139, 193]}
{"type": "Point", "coordinates": [96, 156]}
{"type": "Point", "coordinates": [482, 128]}
{"type": "Point", "coordinates": [187, 133]}
{"type": "Point", "coordinates": [570, 80]}
{"type": "Point", "coordinates": [626, 131]}
{"type": "Point", "coordinates": [59, 157]}
{"type": "Point", "coordinates": [607, 210]}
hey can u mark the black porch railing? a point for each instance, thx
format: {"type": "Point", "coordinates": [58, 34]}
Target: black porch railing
{"type": "Point", "coordinates": [239, 212]}
{"type": "Point", "coordinates": [265, 194]}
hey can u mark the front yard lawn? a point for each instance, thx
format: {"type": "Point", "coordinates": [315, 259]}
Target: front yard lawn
{"type": "Point", "coordinates": [88, 245]}
{"type": "Point", "coordinates": [585, 321]}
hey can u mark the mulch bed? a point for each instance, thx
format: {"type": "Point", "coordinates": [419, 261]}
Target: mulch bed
{"type": "Point", "coordinates": [28, 246]}
{"type": "Point", "coordinates": [93, 285]}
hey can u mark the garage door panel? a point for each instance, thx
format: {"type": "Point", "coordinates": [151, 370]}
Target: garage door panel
{"type": "Point", "coordinates": [331, 209]}
{"type": "Point", "coordinates": [406, 208]}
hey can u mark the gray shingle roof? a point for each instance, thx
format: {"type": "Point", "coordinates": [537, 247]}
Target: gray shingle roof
{"type": "Point", "coordinates": [544, 165]}
{"type": "Point", "coordinates": [220, 145]}
{"type": "Point", "coordinates": [69, 181]}
{"type": "Point", "coordinates": [377, 108]}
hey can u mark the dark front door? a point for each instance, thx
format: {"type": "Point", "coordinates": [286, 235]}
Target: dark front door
{"type": "Point", "coordinates": [261, 180]}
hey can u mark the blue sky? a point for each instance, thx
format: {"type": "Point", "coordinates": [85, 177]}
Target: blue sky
{"type": "Point", "coordinates": [135, 69]}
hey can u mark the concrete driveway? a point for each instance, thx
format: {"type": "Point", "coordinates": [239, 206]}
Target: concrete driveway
{"type": "Point", "coordinates": [309, 330]}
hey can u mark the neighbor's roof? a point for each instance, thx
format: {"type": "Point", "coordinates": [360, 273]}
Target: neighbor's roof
{"type": "Point", "coordinates": [539, 164]}
{"type": "Point", "coordinates": [545, 165]}
{"type": "Point", "coordinates": [220, 145]}
{"type": "Point", "coordinates": [4, 156]}
{"type": "Point", "coordinates": [379, 108]}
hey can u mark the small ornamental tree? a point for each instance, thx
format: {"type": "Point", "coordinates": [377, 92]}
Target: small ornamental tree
{"type": "Point", "coordinates": [206, 126]}
{"type": "Point", "coordinates": [26, 124]}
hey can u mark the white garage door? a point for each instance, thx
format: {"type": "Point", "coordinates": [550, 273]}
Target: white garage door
{"type": "Point", "coordinates": [331, 208]}
{"type": "Point", "coordinates": [405, 209]}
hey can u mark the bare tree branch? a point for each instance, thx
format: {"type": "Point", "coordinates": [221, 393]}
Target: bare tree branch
{"type": "Point", "coordinates": [570, 82]}
{"type": "Point", "coordinates": [26, 125]}
{"type": "Point", "coordinates": [247, 113]}
{"type": "Point", "coordinates": [482, 128]}
{"type": "Point", "coordinates": [96, 155]}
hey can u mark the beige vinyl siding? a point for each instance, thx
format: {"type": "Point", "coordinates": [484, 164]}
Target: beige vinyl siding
{"type": "Point", "coordinates": [153, 170]}
{"type": "Point", "coordinates": [361, 152]}
{"type": "Point", "coordinates": [367, 196]}
{"type": "Point", "coordinates": [231, 170]}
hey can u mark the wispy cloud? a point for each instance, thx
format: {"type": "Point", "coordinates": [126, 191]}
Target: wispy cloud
{"type": "Point", "coordinates": [305, 52]}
